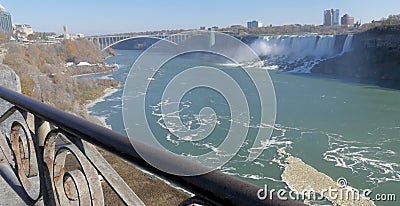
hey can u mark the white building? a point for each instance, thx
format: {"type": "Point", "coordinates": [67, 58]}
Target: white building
{"type": "Point", "coordinates": [77, 36]}
{"type": "Point", "coordinates": [84, 64]}
{"type": "Point", "coordinates": [22, 30]}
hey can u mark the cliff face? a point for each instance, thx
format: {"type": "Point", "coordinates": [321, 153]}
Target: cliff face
{"type": "Point", "coordinates": [375, 55]}
{"type": "Point", "coordinates": [9, 79]}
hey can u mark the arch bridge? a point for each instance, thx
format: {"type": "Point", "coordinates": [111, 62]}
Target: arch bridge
{"type": "Point", "coordinates": [107, 41]}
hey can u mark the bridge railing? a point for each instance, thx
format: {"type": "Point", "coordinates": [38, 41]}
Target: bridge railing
{"type": "Point", "coordinates": [42, 139]}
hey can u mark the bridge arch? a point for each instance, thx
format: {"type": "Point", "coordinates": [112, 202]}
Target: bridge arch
{"type": "Point", "coordinates": [137, 37]}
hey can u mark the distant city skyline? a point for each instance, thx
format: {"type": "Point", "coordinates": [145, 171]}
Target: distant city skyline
{"type": "Point", "coordinates": [107, 17]}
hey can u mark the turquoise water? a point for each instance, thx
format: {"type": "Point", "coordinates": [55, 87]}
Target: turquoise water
{"type": "Point", "coordinates": [339, 126]}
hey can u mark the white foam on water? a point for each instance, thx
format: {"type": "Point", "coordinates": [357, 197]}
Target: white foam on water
{"type": "Point", "coordinates": [232, 171]}
{"type": "Point", "coordinates": [377, 162]}
{"type": "Point", "coordinates": [102, 118]}
{"type": "Point", "coordinates": [101, 99]}
{"type": "Point", "coordinates": [259, 163]}
{"type": "Point", "coordinates": [230, 65]}
{"type": "Point", "coordinates": [345, 153]}
{"type": "Point", "coordinates": [272, 67]}
{"type": "Point", "coordinates": [169, 138]}
{"type": "Point", "coordinates": [360, 156]}
{"type": "Point", "coordinates": [109, 76]}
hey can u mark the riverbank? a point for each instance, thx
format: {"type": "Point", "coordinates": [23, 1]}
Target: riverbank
{"type": "Point", "coordinates": [107, 92]}
{"type": "Point", "coordinates": [79, 71]}
{"type": "Point", "coordinates": [88, 74]}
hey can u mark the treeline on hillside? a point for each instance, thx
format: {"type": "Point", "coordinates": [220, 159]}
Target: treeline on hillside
{"type": "Point", "coordinates": [391, 20]}
{"type": "Point", "coordinates": [66, 51]}
{"type": "Point", "coordinates": [294, 29]}
{"type": "Point", "coordinates": [43, 74]}
{"type": "Point", "coordinates": [300, 29]}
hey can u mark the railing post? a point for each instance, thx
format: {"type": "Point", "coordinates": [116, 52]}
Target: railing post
{"type": "Point", "coordinates": [42, 128]}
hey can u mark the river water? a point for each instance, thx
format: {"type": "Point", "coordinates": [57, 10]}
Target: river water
{"type": "Point", "coordinates": [341, 127]}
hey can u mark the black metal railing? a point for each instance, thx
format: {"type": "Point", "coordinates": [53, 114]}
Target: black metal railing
{"type": "Point", "coordinates": [44, 123]}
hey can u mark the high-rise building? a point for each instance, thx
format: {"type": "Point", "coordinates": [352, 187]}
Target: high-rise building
{"type": "Point", "coordinates": [331, 17]}
{"type": "Point", "coordinates": [347, 20]}
{"type": "Point", "coordinates": [254, 24]}
{"type": "Point", "coordinates": [335, 17]}
{"type": "Point", "coordinates": [328, 18]}
{"type": "Point", "coordinates": [5, 21]}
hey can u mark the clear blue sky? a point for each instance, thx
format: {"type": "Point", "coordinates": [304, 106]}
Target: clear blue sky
{"type": "Point", "coordinates": [105, 17]}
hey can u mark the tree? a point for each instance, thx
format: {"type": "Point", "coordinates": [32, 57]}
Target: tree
{"type": "Point", "coordinates": [3, 37]}
{"type": "Point", "coordinates": [71, 50]}
{"type": "Point", "coordinates": [30, 37]}
{"type": "Point", "coordinates": [392, 20]}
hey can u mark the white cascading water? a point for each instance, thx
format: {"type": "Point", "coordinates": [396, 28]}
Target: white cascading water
{"type": "Point", "coordinates": [302, 51]}
{"type": "Point", "coordinates": [347, 44]}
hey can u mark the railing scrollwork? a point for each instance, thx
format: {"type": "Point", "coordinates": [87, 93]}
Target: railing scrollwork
{"type": "Point", "coordinates": [68, 176]}
{"type": "Point", "coordinates": [80, 184]}
{"type": "Point", "coordinates": [26, 163]}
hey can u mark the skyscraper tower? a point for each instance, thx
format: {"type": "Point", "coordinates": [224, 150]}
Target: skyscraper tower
{"type": "Point", "coordinates": [331, 17]}
{"type": "Point", "coordinates": [335, 16]}
{"type": "Point", "coordinates": [66, 35]}
{"type": "Point", "coordinates": [328, 16]}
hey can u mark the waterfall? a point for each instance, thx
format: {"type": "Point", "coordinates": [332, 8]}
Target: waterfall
{"type": "Point", "coordinates": [325, 46]}
{"type": "Point", "coordinates": [299, 53]}
{"type": "Point", "coordinates": [347, 44]}
{"type": "Point", "coordinates": [296, 46]}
